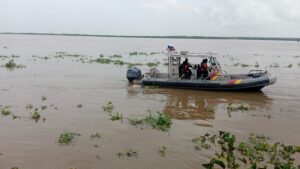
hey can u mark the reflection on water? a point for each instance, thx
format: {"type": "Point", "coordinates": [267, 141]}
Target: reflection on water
{"type": "Point", "coordinates": [183, 104]}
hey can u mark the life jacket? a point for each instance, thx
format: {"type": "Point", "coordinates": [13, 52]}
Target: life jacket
{"type": "Point", "coordinates": [215, 74]}
{"type": "Point", "coordinates": [186, 67]}
{"type": "Point", "coordinates": [203, 67]}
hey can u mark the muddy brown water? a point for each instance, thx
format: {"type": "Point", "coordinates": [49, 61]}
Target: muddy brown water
{"type": "Point", "coordinates": [67, 82]}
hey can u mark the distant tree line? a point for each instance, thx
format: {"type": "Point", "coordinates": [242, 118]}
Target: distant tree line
{"type": "Point", "coordinates": [166, 37]}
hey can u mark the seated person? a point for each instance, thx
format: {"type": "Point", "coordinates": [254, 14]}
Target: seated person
{"type": "Point", "coordinates": [203, 70]}
{"type": "Point", "coordinates": [184, 69]}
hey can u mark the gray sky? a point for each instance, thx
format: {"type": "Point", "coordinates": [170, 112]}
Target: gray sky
{"type": "Point", "coordinates": [277, 18]}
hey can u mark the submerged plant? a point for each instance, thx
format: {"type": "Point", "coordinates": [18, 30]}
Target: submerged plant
{"type": "Point", "coordinates": [12, 65]}
{"type": "Point", "coordinates": [160, 121]}
{"type": "Point", "coordinates": [65, 138]}
{"type": "Point", "coordinates": [128, 153]}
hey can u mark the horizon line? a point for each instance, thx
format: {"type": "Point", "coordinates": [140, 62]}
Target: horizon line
{"type": "Point", "coordinates": [162, 36]}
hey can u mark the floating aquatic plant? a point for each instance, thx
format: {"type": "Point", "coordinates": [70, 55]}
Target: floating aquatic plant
{"type": "Point", "coordinates": [116, 116]}
{"type": "Point", "coordinates": [128, 153]}
{"type": "Point", "coordinates": [134, 64]}
{"type": "Point", "coordinates": [255, 153]}
{"type": "Point", "coordinates": [245, 65]}
{"type": "Point", "coordinates": [65, 138]}
{"type": "Point", "coordinates": [96, 135]}
{"type": "Point", "coordinates": [44, 98]}
{"type": "Point", "coordinates": [35, 115]}
{"type": "Point", "coordinates": [152, 64]}
{"type": "Point", "coordinates": [162, 151]}
{"type": "Point", "coordinates": [79, 105]}
{"type": "Point", "coordinates": [11, 65]}
{"type": "Point", "coordinates": [5, 111]}
{"type": "Point", "coordinates": [133, 53]}
{"type": "Point", "coordinates": [118, 62]}
{"type": "Point", "coordinates": [44, 107]}
{"type": "Point", "coordinates": [237, 107]}
{"type": "Point", "coordinates": [29, 106]}
{"type": "Point", "coordinates": [108, 107]}
{"type": "Point", "coordinates": [160, 121]}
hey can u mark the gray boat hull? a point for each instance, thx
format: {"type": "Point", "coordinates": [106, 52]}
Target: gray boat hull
{"type": "Point", "coordinates": [248, 83]}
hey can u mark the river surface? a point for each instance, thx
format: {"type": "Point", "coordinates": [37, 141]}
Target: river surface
{"type": "Point", "coordinates": [72, 80]}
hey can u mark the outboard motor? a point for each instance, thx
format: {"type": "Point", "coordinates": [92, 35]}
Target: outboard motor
{"type": "Point", "coordinates": [134, 74]}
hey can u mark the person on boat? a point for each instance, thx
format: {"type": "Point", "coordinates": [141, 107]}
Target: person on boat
{"type": "Point", "coordinates": [185, 69]}
{"type": "Point", "coordinates": [204, 69]}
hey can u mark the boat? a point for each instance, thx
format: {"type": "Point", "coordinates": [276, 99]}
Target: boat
{"type": "Point", "coordinates": [217, 79]}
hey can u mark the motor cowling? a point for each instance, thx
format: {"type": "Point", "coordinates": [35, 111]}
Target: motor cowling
{"type": "Point", "coordinates": [134, 74]}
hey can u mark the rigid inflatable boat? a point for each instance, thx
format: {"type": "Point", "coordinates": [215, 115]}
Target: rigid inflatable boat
{"type": "Point", "coordinates": [217, 79]}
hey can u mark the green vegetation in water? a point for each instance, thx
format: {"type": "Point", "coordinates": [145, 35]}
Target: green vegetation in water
{"type": "Point", "coordinates": [236, 64]}
{"type": "Point", "coordinates": [162, 151]}
{"type": "Point", "coordinates": [35, 115]}
{"type": "Point", "coordinates": [96, 135]}
{"type": "Point", "coordinates": [118, 62]}
{"type": "Point", "coordinates": [44, 107]}
{"type": "Point", "coordinates": [256, 153]}
{"type": "Point", "coordinates": [128, 153]}
{"type": "Point", "coordinates": [103, 60]}
{"type": "Point", "coordinates": [5, 111]}
{"type": "Point", "coordinates": [290, 66]}
{"type": "Point", "coordinates": [79, 105]}
{"type": "Point", "coordinates": [245, 65]}
{"type": "Point", "coordinates": [143, 53]}
{"type": "Point", "coordinates": [160, 121]}
{"type": "Point", "coordinates": [274, 65]}
{"type": "Point", "coordinates": [108, 107]}
{"type": "Point", "coordinates": [237, 107]}
{"type": "Point", "coordinates": [134, 64]}
{"type": "Point", "coordinates": [14, 167]}
{"type": "Point", "coordinates": [29, 106]}
{"type": "Point", "coordinates": [44, 98]}
{"type": "Point", "coordinates": [116, 56]}
{"type": "Point", "coordinates": [133, 53]}
{"type": "Point", "coordinates": [204, 142]}
{"type": "Point", "coordinates": [154, 53]}
{"type": "Point", "coordinates": [116, 116]}
{"type": "Point", "coordinates": [11, 65]}
{"type": "Point", "coordinates": [65, 138]}
{"type": "Point", "coordinates": [152, 64]}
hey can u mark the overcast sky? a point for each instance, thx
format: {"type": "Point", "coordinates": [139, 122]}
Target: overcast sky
{"type": "Point", "coordinates": [276, 18]}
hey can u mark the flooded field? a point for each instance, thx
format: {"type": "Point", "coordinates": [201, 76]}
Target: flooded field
{"type": "Point", "coordinates": [70, 79]}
